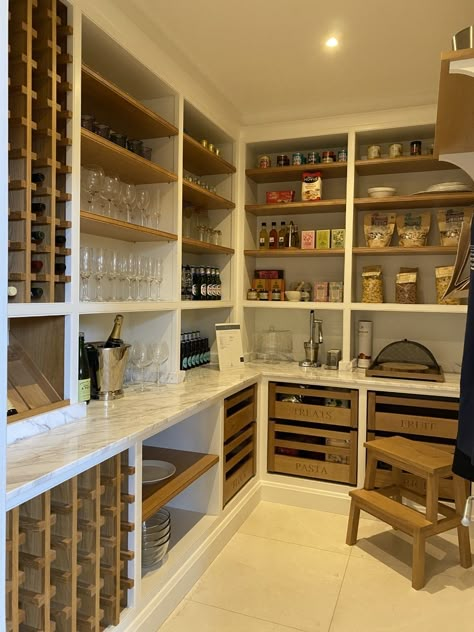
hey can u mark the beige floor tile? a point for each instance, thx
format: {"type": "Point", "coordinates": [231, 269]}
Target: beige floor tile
{"type": "Point", "coordinates": [284, 583]}
{"type": "Point", "coordinates": [318, 529]}
{"type": "Point", "coordinates": [201, 618]}
{"type": "Point", "coordinates": [378, 598]}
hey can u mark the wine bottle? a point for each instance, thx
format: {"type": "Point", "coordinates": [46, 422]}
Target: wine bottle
{"type": "Point", "coordinates": [59, 268]}
{"type": "Point", "coordinates": [60, 240]}
{"type": "Point", "coordinates": [11, 410]}
{"type": "Point", "coordinates": [38, 207]}
{"type": "Point", "coordinates": [84, 377]}
{"type": "Point", "coordinates": [37, 236]}
{"type": "Point", "coordinates": [36, 292]}
{"type": "Point", "coordinates": [12, 291]}
{"type": "Point", "coordinates": [114, 339]}
{"type": "Point", "coordinates": [37, 178]}
{"type": "Point", "coordinates": [273, 236]}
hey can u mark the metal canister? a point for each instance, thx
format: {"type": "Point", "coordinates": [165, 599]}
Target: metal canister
{"type": "Point", "coordinates": [297, 158]}
{"type": "Point", "coordinates": [204, 143]}
{"type": "Point", "coordinates": [211, 147]}
{"type": "Point", "coordinates": [333, 358]}
{"type": "Point", "coordinates": [264, 162]}
{"type": "Point", "coordinates": [373, 151]}
{"type": "Point", "coordinates": [395, 150]}
{"type": "Point", "coordinates": [283, 160]}
{"type": "Point", "coordinates": [313, 158]}
{"type": "Point", "coordinates": [415, 148]}
{"type": "Point", "coordinates": [342, 155]}
{"type": "Point", "coordinates": [328, 156]}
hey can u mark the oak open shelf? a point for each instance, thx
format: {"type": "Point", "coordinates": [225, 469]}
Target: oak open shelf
{"type": "Point", "coordinates": [93, 224]}
{"type": "Point", "coordinates": [197, 196]}
{"type": "Point", "coordinates": [115, 159]}
{"type": "Point", "coordinates": [428, 200]}
{"type": "Point", "coordinates": [404, 164]}
{"type": "Point", "coordinates": [201, 161]}
{"type": "Point", "coordinates": [197, 247]}
{"type": "Point", "coordinates": [294, 252]}
{"type": "Point", "coordinates": [121, 111]}
{"type": "Point", "coordinates": [189, 467]}
{"type": "Point", "coordinates": [297, 208]}
{"type": "Point", "coordinates": [294, 173]}
{"type": "Point", "coordinates": [399, 250]}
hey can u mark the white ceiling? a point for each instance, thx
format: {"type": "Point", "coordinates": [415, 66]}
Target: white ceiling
{"type": "Point", "coordinates": [267, 57]}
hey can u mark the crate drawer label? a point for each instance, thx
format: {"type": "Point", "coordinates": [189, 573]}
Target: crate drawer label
{"type": "Point", "coordinates": [328, 414]}
{"type": "Point", "coordinates": [240, 478]}
{"type": "Point", "coordinates": [412, 424]}
{"type": "Point", "coordinates": [310, 468]}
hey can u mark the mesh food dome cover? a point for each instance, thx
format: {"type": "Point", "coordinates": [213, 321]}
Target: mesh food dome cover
{"type": "Point", "coordinates": [407, 351]}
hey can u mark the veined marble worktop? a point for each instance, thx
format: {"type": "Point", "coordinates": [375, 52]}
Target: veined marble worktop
{"type": "Point", "coordinates": [37, 463]}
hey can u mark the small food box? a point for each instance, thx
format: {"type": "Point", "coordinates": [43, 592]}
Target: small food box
{"type": "Point", "coordinates": [280, 197]}
{"type": "Point", "coordinates": [307, 239]}
{"type": "Point", "coordinates": [338, 237]}
{"type": "Point", "coordinates": [323, 239]}
{"type": "Point", "coordinates": [321, 291]}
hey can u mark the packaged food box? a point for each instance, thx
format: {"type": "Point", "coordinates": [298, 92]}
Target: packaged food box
{"type": "Point", "coordinates": [338, 237]}
{"type": "Point", "coordinates": [307, 240]}
{"type": "Point", "coordinates": [321, 291]}
{"type": "Point", "coordinates": [323, 239]}
{"type": "Point", "coordinates": [311, 186]}
{"type": "Point", "coordinates": [269, 284]}
{"type": "Point", "coordinates": [336, 291]}
{"type": "Point", "coordinates": [269, 274]}
{"type": "Point", "coordinates": [280, 197]}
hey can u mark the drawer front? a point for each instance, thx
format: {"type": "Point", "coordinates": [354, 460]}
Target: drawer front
{"type": "Point", "coordinates": [399, 423]}
{"type": "Point", "coordinates": [308, 468]}
{"type": "Point", "coordinates": [239, 460]}
{"type": "Point", "coordinates": [239, 410]}
{"type": "Point", "coordinates": [314, 407]}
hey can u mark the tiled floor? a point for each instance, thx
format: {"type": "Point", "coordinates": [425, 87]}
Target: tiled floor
{"type": "Point", "coordinates": [288, 569]}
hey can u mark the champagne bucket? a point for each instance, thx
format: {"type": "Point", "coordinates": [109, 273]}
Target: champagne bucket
{"type": "Point", "coordinates": [107, 368]}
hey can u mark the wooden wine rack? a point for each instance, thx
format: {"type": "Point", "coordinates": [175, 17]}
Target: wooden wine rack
{"type": "Point", "coordinates": [67, 551]}
{"type": "Point", "coordinates": [39, 140]}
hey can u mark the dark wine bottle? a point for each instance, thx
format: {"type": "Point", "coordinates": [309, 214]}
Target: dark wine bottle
{"type": "Point", "coordinates": [11, 410]}
{"type": "Point", "coordinates": [84, 377]}
{"type": "Point", "coordinates": [37, 236]}
{"type": "Point", "coordinates": [60, 240]}
{"type": "Point", "coordinates": [114, 339]}
{"type": "Point", "coordinates": [36, 292]}
{"type": "Point", "coordinates": [37, 178]}
{"type": "Point", "coordinates": [59, 268]}
{"type": "Point", "coordinates": [38, 207]}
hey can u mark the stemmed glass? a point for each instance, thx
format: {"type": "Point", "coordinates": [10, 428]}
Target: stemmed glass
{"type": "Point", "coordinates": [122, 274]}
{"type": "Point", "coordinates": [141, 357]}
{"type": "Point", "coordinates": [130, 274]}
{"type": "Point", "coordinates": [160, 355]}
{"type": "Point", "coordinates": [129, 194]}
{"type": "Point", "coordinates": [93, 184]}
{"type": "Point", "coordinates": [141, 272]}
{"type": "Point", "coordinates": [143, 202]}
{"type": "Point", "coordinates": [150, 275]}
{"type": "Point", "coordinates": [86, 260]}
{"type": "Point", "coordinates": [111, 192]}
{"type": "Point", "coordinates": [100, 271]}
{"type": "Point", "coordinates": [158, 277]}
{"type": "Point", "coordinates": [156, 210]}
{"type": "Point", "coordinates": [112, 265]}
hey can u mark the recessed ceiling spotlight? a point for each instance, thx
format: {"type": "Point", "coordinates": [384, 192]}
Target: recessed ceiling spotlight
{"type": "Point", "coordinates": [332, 42]}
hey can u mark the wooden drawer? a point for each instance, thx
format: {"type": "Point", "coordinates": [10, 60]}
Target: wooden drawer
{"type": "Point", "coordinates": [239, 410]}
{"type": "Point", "coordinates": [414, 415]}
{"type": "Point", "coordinates": [314, 406]}
{"type": "Point", "coordinates": [312, 452]}
{"type": "Point", "coordinates": [239, 460]}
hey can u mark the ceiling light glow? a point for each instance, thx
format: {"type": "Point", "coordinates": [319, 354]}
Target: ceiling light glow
{"type": "Point", "coordinates": [332, 42]}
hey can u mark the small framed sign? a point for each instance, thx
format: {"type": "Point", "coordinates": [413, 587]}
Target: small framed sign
{"type": "Point", "coordinates": [229, 345]}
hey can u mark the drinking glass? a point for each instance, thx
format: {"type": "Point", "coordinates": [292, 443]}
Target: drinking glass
{"type": "Point", "coordinates": [131, 269]}
{"type": "Point", "coordinates": [129, 195]}
{"type": "Point", "coordinates": [99, 271]}
{"type": "Point", "coordinates": [158, 277]}
{"type": "Point", "coordinates": [111, 193]}
{"type": "Point", "coordinates": [155, 212]}
{"type": "Point", "coordinates": [150, 275]}
{"type": "Point", "coordinates": [122, 275]}
{"type": "Point", "coordinates": [86, 259]}
{"type": "Point", "coordinates": [141, 357]}
{"type": "Point", "coordinates": [160, 354]}
{"type": "Point", "coordinates": [141, 272]}
{"type": "Point", "coordinates": [143, 202]}
{"type": "Point", "coordinates": [93, 184]}
{"type": "Point", "coordinates": [112, 265]}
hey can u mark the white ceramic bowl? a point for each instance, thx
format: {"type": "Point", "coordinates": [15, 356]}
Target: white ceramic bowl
{"type": "Point", "coordinates": [293, 295]}
{"type": "Point", "coordinates": [381, 192]}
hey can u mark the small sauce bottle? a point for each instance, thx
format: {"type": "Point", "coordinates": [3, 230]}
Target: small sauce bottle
{"type": "Point", "coordinates": [273, 238]}
{"type": "Point", "coordinates": [263, 237]}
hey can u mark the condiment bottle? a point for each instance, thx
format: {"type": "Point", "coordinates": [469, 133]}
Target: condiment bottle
{"type": "Point", "coordinates": [282, 235]}
{"type": "Point", "coordinates": [276, 293]}
{"type": "Point", "coordinates": [273, 237]}
{"type": "Point", "coordinates": [263, 237]}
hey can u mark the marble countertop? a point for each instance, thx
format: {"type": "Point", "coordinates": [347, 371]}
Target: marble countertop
{"type": "Point", "coordinates": [37, 463]}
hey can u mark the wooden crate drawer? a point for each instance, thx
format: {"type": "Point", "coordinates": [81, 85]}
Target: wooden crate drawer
{"type": "Point", "coordinates": [314, 405]}
{"type": "Point", "coordinates": [426, 417]}
{"type": "Point", "coordinates": [312, 452]}
{"type": "Point", "coordinates": [239, 461]}
{"type": "Point", "coordinates": [239, 410]}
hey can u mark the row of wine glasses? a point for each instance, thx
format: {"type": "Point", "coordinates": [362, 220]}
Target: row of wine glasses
{"type": "Point", "coordinates": [143, 356]}
{"type": "Point", "coordinates": [119, 277]}
{"type": "Point", "coordinates": [108, 195]}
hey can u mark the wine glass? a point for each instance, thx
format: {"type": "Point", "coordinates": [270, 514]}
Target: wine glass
{"type": "Point", "coordinates": [122, 275]}
{"type": "Point", "coordinates": [129, 194]}
{"type": "Point", "coordinates": [93, 184]}
{"type": "Point", "coordinates": [112, 266]}
{"type": "Point", "coordinates": [155, 213]}
{"type": "Point", "coordinates": [160, 354]}
{"type": "Point", "coordinates": [131, 268]}
{"type": "Point", "coordinates": [141, 272]}
{"type": "Point", "coordinates": [111, 192]}
{"type": "Point", "coordinates": [100, 271]}
{"type": "Point", "coordinates": [150, 275]}
{"type": "Point", "coordinates": [141, 357]}
{"type": "Point", "coordinates": [158, 277]}
{"type": "Point", "coordinates": [86, 259]}
{"type": "Point", "coordinates": [143, 202]}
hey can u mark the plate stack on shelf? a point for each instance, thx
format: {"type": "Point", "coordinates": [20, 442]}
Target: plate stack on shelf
{"type": "Point", "coordinates": [155, 538]}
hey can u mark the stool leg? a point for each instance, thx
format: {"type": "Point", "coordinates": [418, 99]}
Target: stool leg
{"type": "Point", "coordinates": [353, 524]}
{"type": "Point", "coordinates": [460, 495]}
{"type": "Point", "coordinates": [432, 486]}
{"type": "Point", "coordinates": [369, 482]}
{"type": "Point", "coordinates": [397, 480]}
{"type": "Point", "coordinates": [418, 564]}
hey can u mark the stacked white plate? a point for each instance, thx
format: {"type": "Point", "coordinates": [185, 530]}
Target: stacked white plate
{"type": "Point", "coordinates": [446, 187]}
{"type": "Point", "coordinates": [155, 537]}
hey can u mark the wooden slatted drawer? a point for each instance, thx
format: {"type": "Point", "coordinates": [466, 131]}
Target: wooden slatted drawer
{"type": "Point", "coordinates": [239, 410]}
{"type": "Point", "coordinates": [239, 461]}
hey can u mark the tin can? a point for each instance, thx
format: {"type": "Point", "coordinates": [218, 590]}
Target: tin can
{"type": "Point", "coordinates": [283, 160]}
{"type": "Point", "coordinates": [211, 147]}
{"type": "Point", "coordinates": [204, 143]}
{"type": "Point", "coordinates": [297, 158]}
{"type": "Point", "coordinates": [342, 155]}
{"type": "Point", "coordinates": [415, 148]}
{"type": "Point", "coordinates": [395, 150]}
{"type": "Point", "coordinates": [373, 151]}
{"type": "Point", "coordinates": [313, 158]}
{"type": "Point", "coordinates": [327, 156]}
{"type": "Point", "coordinates": [264, 162]}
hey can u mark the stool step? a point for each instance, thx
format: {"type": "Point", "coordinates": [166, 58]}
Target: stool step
{"type": "Point", "coordinates": [413, 456]}
{"type": "Point", "coordinates": [394, 513]}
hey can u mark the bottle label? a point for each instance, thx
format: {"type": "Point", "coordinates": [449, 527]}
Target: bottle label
{"type": "Point", "coordinates": [84, 390]}
{"type": "Point", "coordinates": [262, 241]}
{"type": "Point", "coordinates": [281, 241]}
{"type": "Point", "coordinates": [185, 364]}
{"type": "Point", "coordinates": [203, 290]}
{"type": "Point", "coordinates": [194, 291]}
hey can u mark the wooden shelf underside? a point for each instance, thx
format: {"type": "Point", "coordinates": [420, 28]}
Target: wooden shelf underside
{"type": "Point", "coordinates": [404, 164]}
{"type": "Point", "coordinates": [293, 173]}
{"type": "Point", "coordinates": [297, 208]}
{"type": "Point", "coordinates": [294, 252]}
{"type": "Point", "coordinates": [194, 246]}
{"type": "Point", "coordinates": [428, 200]}
{"type": "Point", "coordinates": [93, 224]}
{"type": "Point", "coordinates": [115, 159]}
{"type": "Point", "coordinates": [189, 467]}
{"type": "Point", "coordinates": [197, 196]}
{"type": "Point", "coordinates": [399, 250]}
{"type": "Point", "coordinates": [121, 111]}
{"type": "Point", "coordinates": [202, 162]}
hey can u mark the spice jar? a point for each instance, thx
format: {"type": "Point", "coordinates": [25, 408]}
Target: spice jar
{"type": "Point", "coordinates": [211, 147]}
{"type": "Point", "coordinates": [252, 295]}
{"type": "Point", "coordinates": [327, 156]}
{"type": "Point", "coordinates": [415, 148]}
{"type": "Point", "coordinates": [264, 162]}
{"type": "Point", "coordinates": [297, 158]}
{"type": "Point", "coordinates": [342, 155]}
{"type": "Point", "coordinates": [373, 152]}
{"type": "Point", "coordinates": [283, 160]}
{"type": "Point", "coordinates": [263, 295]}
{"type": "Point", "coordinates": [204, 143]}
{"type": "Point", "coordinates": [313, 158]}
{"type": "Point", "coordinates": [395, 150]}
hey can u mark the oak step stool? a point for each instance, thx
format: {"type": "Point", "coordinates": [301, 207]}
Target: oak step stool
{"type": "Point", "coordinates": [386, 503]}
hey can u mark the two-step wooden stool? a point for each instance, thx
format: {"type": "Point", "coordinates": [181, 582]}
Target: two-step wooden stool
{"type": "Point", "coordinates": [386, 503]}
